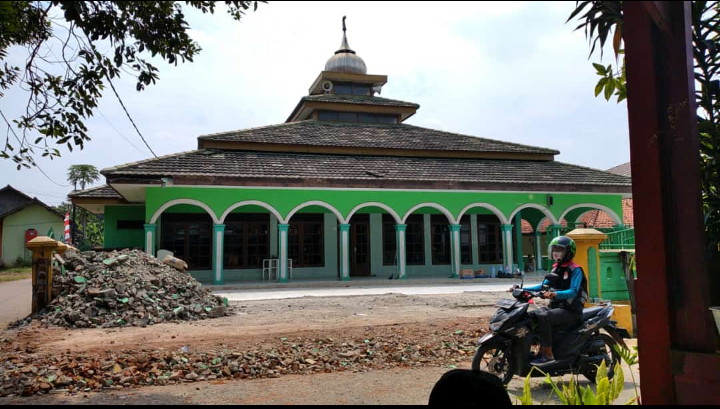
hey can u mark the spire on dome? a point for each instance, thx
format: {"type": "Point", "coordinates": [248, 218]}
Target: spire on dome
{"type": "Point", "coordinates": [345, 59]}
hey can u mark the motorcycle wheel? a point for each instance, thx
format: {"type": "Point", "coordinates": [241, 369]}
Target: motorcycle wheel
{"type": "Point", "coordinates": [495, 358]}
{"type": "Point", "coordinates": [612, 358]}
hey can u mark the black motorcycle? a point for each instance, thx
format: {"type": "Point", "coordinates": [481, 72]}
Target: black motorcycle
{"type": "Point", "coordinates": [579, 349]}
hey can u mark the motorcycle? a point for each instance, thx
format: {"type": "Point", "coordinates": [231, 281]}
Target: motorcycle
{"type": "Point", "coordinates": [514, 342]}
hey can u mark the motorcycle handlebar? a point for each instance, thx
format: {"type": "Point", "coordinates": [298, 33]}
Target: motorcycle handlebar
{"type": "Point", "coordinates": [525, 295]}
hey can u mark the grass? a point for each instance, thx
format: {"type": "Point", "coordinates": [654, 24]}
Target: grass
{"type": "Point", "coordinates": [15, 273]}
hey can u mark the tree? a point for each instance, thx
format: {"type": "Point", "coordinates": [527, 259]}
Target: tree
{"type": "Point", "coordinates": [82, 174]}
{"type": "Point", "coordinates": [75, 49]}
{"type": "Point", "coordinates": [601, 18]}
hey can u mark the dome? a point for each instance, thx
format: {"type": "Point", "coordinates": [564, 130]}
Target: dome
{"type": "Point", "coordinates": [345, 59]}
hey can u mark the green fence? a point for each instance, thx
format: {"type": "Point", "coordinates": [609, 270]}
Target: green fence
{"type": "Point", "coordinates": [618, 239]}
{"type": "Point", "coordinates": [611, 275]}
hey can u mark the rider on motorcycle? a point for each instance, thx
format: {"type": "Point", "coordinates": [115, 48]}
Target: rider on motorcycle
{"type": "Point", "coordinates": [568, 291]}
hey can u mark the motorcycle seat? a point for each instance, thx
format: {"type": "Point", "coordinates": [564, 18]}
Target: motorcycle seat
{"type": "Point", "coordinates": [591, 312]}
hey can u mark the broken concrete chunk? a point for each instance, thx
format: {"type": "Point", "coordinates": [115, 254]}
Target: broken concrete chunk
{"type": "Point", "coordinates": [110, 261]}
{"type": "Point", "coordinates": [175, 262]}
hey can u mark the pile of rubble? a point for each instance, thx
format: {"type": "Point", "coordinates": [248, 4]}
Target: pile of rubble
{"type": "Point", "coordinates": [24, 372]}
{"type": "Point", "coordinates": [126, 288]}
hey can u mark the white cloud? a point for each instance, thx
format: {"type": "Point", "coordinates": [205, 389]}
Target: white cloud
{"type": "Point", "coordinates": [511, 71]}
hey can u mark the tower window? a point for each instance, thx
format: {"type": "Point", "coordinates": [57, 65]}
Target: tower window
{"type": "Point", "coordinates": [357, 117]}
{"type": "Point", "coordinates": [349, 88]}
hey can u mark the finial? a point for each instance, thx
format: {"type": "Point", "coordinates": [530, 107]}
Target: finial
{"type": "Point", "coordinates": [344, 29]}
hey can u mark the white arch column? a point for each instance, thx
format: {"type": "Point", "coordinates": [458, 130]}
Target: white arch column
{"type": "Point", "coordinates": [400, 246]}
{"type": "Point", "coordinates": [519, 242]}
{"type": "Point", "coordinates": [218, 254]}
{"type": "Point", "coordinates": [150, 231]}
{"type": "Point", "coordinates": [455, 250]}
{"type": "Point", "coordinates": [344, 252]}
{"type": "Point", "coordinates": [538, 250]}
{"type": "Point", "coordinates": [283, 256]}
{"type": "Point", "coordinates": [507, 247]}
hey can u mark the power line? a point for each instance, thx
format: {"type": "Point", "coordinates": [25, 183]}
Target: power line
{"type": "Point", "coordinates": [118, 132]}
{"type": "Point", "coordinates": [35, 192]}
{"type": "Point", "coordinates": [128, 114]}
{"type": "Point", "coordinates": [48, 177]}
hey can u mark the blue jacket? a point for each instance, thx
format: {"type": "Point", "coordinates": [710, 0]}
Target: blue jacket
{"type": "Point", "coordinates": [575, 293]}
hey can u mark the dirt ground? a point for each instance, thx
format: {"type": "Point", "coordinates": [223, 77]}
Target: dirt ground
{"type": "Point", "coordinates": [420, 321]}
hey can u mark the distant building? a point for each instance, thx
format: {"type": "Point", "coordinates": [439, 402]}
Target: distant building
{"type": "Point", "coordinates": [600, 219]}
{"type": "Point", "coordinates": [345, 189]}
{"type": "Point", "coordinates": [21, 217]}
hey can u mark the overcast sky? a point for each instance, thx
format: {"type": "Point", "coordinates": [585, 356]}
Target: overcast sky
{"type": "Point", "coordinates": [507, 71]}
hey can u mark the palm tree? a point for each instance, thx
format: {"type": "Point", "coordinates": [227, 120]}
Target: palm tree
{"type": "Point", "coordinates": [83, 175]}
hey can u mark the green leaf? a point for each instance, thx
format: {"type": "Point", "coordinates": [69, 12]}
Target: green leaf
{"type": "Point", "coordinates": [80, 279]}
{"type": "Point", "coordinates": [600, 85]}
{"type": "Point", "coordinates": [618, 382]}
{"type": "Point", "coordinates": [526, 396]}
{"type": "Point", "coordinates": [599, 69]}
{"type": "Point", "coordinates": [609, 88]}
{"type": "Point", "coordinates": [603, 391]}
{"type": "Point", "coordinates": [124, 300]}
{"type": "Point", "coordinates": [588, 397]}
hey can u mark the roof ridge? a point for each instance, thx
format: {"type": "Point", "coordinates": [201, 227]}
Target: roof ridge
{"type": "Point", "coordinates": [9, 187]}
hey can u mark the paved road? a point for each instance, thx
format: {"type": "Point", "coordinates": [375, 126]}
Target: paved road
{"type": "Point", "coordinates": [15, 300]}
{"type": "Point", "coordinates": [407, 289]}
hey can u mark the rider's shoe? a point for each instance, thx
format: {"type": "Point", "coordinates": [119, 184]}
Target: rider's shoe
{"type": "Point", "coordinates": [542, 360]}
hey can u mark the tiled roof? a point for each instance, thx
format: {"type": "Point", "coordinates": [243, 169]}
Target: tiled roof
{"type": "Point", "coordinates": [99, 192]}
{"type": "Point", "coordinates": [527, 227]}
{"type": "Point", "coordinates": [13, 200]}
{"type": "Point", "coordinates": [599, 218]}
{"type": "Point", "coordinates": [380, 136]}
{"type": "Point", "coordinates": [359, 99]}
{"type": "Point", "coordinates": [623, 169]}
{"type": "Point", "coordinates": [593, 218]}
{"type": "Point", "coordinates": [238, 164]}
